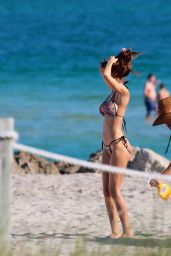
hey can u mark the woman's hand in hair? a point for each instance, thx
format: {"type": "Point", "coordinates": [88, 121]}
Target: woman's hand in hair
{"type": "Point", "coordinates": [112, 60]}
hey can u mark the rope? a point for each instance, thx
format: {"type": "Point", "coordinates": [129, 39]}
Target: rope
{"type": "Point", "coordinates": [8, 135]}
{"type": "Point", "coordinates": [90, 165]}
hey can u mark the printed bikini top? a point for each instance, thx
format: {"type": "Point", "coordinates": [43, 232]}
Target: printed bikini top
{"type": "Point", "coordinates": [108, 107]}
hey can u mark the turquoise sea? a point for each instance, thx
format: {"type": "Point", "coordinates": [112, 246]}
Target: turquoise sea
{"type": "Point", "coordinates": [49, 80]}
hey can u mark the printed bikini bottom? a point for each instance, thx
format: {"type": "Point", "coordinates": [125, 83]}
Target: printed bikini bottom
{"type": "Point", "coordinates": [122, 139]}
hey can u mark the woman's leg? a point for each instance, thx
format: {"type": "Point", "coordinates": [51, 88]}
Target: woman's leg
{"type": "Point", "coordinates": [110, 205]}
{"type": "Point", "coordinates": [120, 158]}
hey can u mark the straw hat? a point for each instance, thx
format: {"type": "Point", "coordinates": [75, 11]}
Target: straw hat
{"type": "Point", "coordinates": [164, 109]}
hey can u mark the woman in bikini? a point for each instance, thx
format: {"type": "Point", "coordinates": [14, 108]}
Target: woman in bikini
{"type": "Point", "coordinates": [116, 148]}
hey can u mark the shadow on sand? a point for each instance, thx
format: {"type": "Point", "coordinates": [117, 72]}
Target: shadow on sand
{"type": "Point", "coordinates": [138, 242]}
{"type": "Point", "coordinates": [144, 241]}
{"type": "Point", "coordinates": [44, 235]}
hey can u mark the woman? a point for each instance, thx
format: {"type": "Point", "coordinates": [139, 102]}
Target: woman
{"type": "Point", "coordinates": [116, 148]}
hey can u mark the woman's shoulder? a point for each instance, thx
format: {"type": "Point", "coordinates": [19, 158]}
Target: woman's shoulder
{"type": "Point", "coordinates": [126, 91]}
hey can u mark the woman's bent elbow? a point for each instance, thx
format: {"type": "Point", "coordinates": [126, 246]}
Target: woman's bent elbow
{"type": "Point", "coordinates": [106, 75]}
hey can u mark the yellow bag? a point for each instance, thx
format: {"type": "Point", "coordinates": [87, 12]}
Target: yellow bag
{"type": "Point", "coordinates": [164, 191]}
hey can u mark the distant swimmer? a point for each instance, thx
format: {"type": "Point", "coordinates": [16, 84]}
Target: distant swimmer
{"type": "Point", "coordinates": [163, 92]}
{"type": "Point", "coordinates": [150, 95]}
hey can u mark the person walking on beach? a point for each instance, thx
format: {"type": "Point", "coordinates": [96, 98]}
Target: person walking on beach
{"type": "Point", "coordinates": [116, 147]}
{"type": "Point", "coordinates": [164, 117]}
{"type": "Point", "coordinates": [150, 95]}
{"type": "Point", "coordinates": [163, 92]}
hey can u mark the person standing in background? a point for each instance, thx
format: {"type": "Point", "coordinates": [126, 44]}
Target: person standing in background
{"type": "Point", "coordinates": [150, 95]}
{"type": "Point", "coordinates": [163, 92]}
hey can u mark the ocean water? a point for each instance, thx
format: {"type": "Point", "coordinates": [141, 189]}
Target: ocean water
{"type": "Point", "coordinates": [49, 80]}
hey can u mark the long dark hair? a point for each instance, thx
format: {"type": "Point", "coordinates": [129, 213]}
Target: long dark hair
{"type": "Point", "coordinates": [123, 66]}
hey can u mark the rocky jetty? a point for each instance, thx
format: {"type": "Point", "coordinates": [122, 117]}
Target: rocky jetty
{"type": "Point", "coordinates": [28, 163]}
{"type": "Point", "coordinates": [142, 159]}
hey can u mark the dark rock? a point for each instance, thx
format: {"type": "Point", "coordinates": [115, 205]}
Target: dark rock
{"type": "Point", "coordinates": [28, 163]}
{"type": "Point", "coordinates": [65, 168]}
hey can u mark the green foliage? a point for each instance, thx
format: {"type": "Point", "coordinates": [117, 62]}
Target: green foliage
{"type": "Point", "coordinates": [82, 247]}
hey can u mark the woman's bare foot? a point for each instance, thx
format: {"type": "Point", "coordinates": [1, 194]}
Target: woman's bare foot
{"type": "Point", "coordinates": [128, 234]}
{"type": "Point", "coordinates": [114, 236]}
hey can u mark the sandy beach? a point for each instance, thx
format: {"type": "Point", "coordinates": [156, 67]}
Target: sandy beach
{"type": "Point", "coordinates": [51, 86]}
{"type": "Point", "coordinates": [54, 212]}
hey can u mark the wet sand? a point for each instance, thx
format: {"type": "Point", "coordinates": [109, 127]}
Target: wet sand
{"type": "Point", "coordinates": [56, 211]}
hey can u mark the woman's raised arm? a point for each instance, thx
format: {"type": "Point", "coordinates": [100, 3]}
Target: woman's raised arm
{"type": "Point", "coordinates": [101, 70]}
{"type": "Point", "coordinates": [114, 84]}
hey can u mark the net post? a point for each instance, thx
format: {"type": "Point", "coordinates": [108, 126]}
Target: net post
{"type": "Point", "coordinates": [7, 136]}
